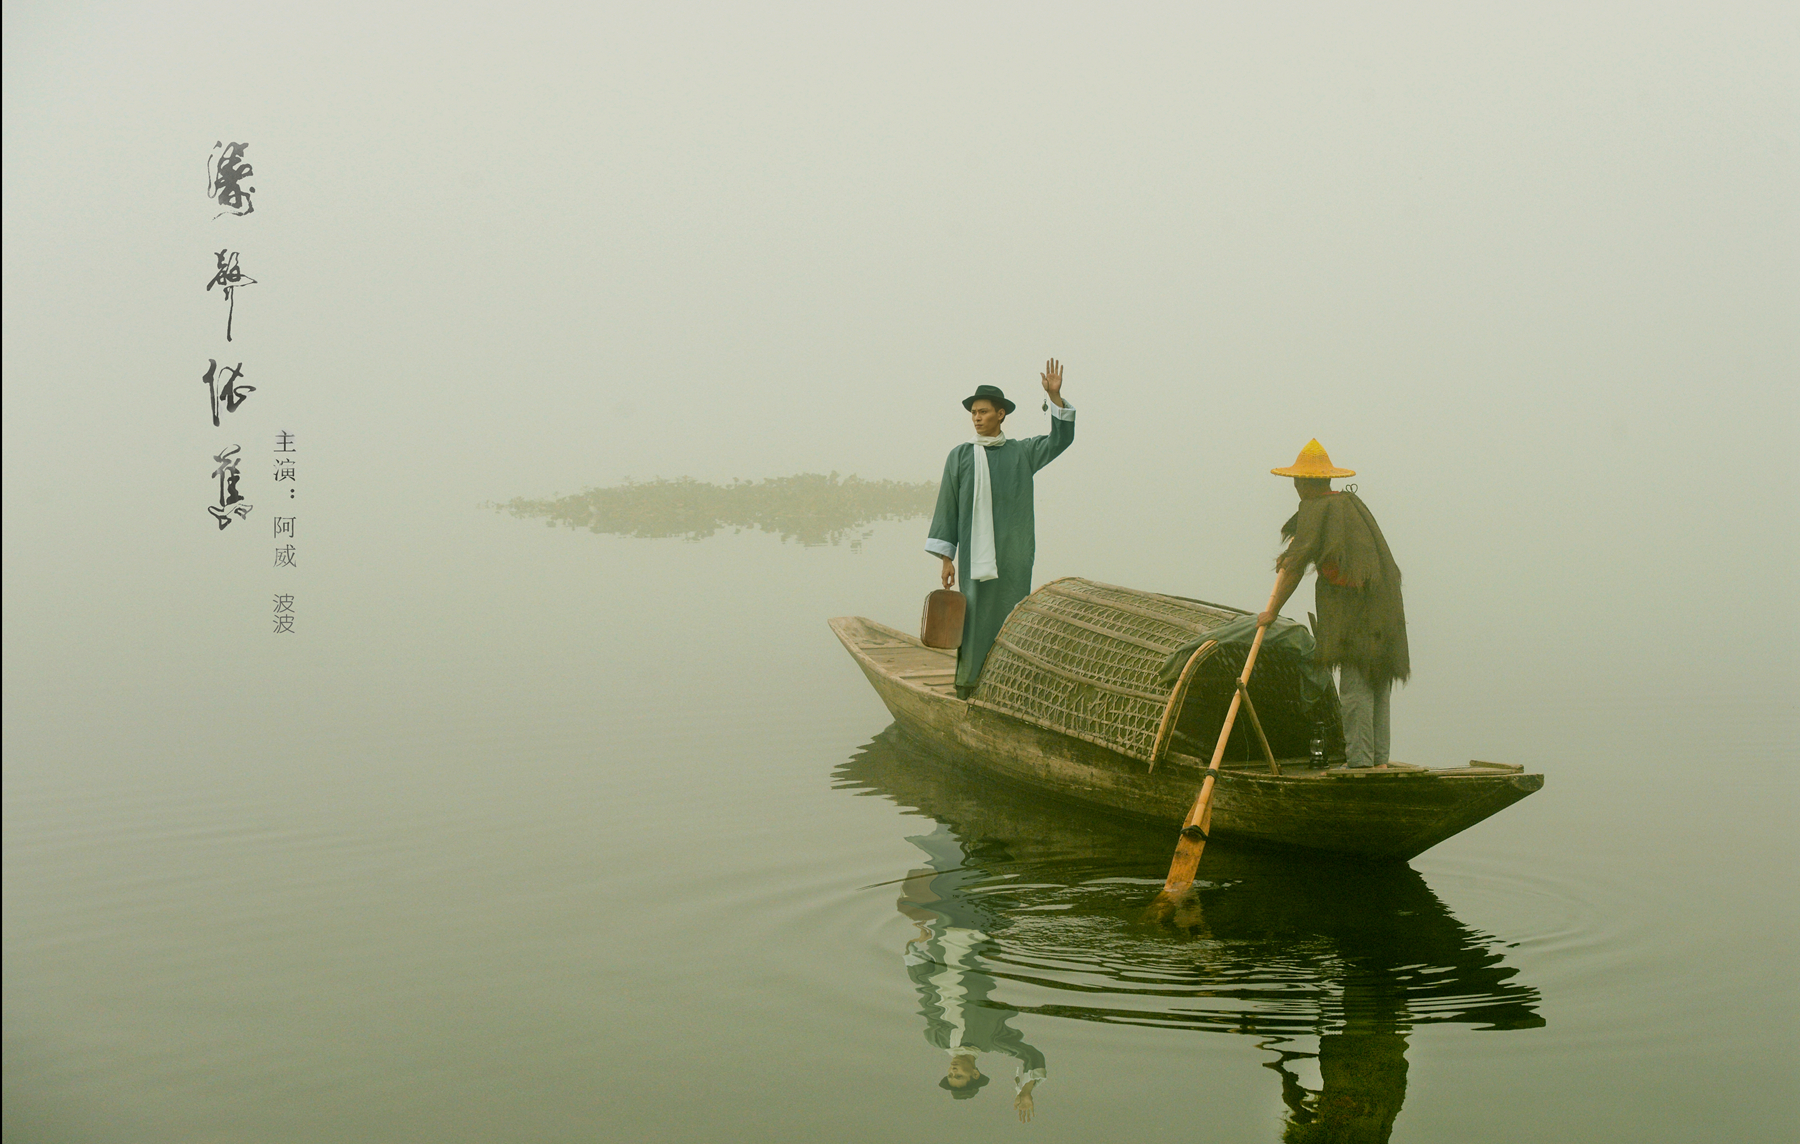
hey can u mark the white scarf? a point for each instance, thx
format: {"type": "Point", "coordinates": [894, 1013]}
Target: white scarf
{"type": "Point", "coordinates": [981, 538]}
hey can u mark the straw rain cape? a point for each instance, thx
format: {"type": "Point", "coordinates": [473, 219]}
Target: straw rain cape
{"type": "Point", "coordinates": [1362, 620]}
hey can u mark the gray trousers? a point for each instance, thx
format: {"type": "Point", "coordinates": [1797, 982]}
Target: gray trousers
{"type": "Point", "coordinates": [1365, 717]}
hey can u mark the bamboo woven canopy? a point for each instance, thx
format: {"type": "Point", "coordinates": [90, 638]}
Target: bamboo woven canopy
{"type": "Point", "coordinates": [1082, 658]}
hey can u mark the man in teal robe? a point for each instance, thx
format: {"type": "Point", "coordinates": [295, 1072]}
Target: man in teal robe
{"type": "Point", "coordinates": [987, 530]}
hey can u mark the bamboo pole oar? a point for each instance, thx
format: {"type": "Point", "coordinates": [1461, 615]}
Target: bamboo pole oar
{"type": "Point", "coordinates": [1193, 831]}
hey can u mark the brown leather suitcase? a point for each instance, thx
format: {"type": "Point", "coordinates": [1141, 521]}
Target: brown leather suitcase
{"type": "Point", "coordinates": [942, 623]}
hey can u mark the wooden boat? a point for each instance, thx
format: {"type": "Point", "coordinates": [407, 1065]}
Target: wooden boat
{"type": "Point", "coordinates": [1070, 702]}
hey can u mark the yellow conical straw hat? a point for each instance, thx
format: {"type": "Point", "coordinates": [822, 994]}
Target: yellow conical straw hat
{"type": "Point", "coordinates": [1313, 461]}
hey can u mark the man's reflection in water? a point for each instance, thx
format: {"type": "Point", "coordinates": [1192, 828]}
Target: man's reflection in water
{"type": "Point", "coordinates": [944, 959]}
{"type": "Point", "coordinates": [1362, 1073]}
{"type": "Point", "coordinates": [1384, 929]}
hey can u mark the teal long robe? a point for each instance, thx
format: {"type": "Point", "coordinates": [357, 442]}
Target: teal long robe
{"type": "Point", "coordinates": [1011, 468]}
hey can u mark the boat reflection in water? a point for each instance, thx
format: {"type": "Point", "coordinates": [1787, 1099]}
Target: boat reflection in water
{"type": "Point", "coordinates": [1040, 902]}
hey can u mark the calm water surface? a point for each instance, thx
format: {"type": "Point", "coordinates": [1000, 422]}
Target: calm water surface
{"type": "Point", "coordinates": [609, 840]}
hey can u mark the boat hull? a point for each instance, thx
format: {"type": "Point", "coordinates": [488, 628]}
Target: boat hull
{"type": "Point", "coordinates": [1389, 814]}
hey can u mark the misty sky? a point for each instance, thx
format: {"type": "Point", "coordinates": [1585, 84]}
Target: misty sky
{"type": "Point", "coordinates": [1531, 269]}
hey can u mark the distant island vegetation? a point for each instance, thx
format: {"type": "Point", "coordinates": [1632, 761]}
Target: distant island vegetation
{"type": "Point", "coordinates": [813, 508]}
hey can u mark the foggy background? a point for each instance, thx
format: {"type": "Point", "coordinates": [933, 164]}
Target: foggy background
{"type": "Point", "coordinates": [1531, 270]}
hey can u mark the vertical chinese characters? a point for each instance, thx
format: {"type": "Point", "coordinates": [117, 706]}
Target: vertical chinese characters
{"type": "Point", "coordinates": [285, 554]}
{"type": "Point", "coordinates": [230, 277]}
{"type": "Point", "coordinates": [230, 187]}
{"type": "Point", "coordinates": [227, 172]}
{"type": "Point", "coordinates": [230, 393]}
{"type": "Point", "coordinates": [231, 502]}
{"type": "Point", "coordinates": [228, 184]}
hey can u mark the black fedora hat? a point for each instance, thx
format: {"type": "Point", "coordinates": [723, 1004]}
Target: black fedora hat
{"type": "Point", "coordinates": [991, 393]}
{"type": "Point", "coordinates": [967, 1090]}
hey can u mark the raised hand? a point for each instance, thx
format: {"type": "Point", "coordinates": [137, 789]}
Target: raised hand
{"type": "Point", "coordinates": [1052, 378]}
{"type": "Point", "coordinates": [1023, 1104]}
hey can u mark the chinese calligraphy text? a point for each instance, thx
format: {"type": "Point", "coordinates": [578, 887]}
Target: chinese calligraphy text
{"type": "Point", "coordinates": [226, 172]}
{"type": "Point", "coordinates": [231, 502]}
{"type": "Point", "coordinates": [230, 277]}
{"type": "Point", "coordinates": [230, 394]}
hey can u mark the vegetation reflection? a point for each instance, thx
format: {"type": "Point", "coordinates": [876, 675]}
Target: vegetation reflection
{"type": "Point", "coordinates": [1024, 908]}
{"type": "Point", "coordinates": [813, 508]}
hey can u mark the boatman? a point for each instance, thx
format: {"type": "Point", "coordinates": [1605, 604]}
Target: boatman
{"type": "Point", "coordinates": [1361, 622]}
{"type": "Point", "coordinates": [985, 524]}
